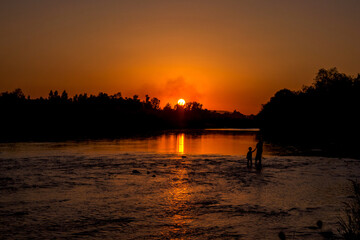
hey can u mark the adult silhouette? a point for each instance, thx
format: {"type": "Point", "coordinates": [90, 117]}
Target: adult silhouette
{"type": "Point", "coordinates": [259, 150]}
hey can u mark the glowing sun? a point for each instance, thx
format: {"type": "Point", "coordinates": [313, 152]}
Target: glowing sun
{"type": "Point", "coordinates": [181, 102]}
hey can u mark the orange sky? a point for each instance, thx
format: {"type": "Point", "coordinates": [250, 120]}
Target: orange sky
{"type": "Point", "coordinates": [226, 54]}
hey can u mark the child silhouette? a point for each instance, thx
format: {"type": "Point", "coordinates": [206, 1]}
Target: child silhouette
{"type": "Point", "coordinates": [249, 157]}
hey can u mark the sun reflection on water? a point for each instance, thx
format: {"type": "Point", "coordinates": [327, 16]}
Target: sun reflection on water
{"type": "Point", "coordinates": [179, 203]}
{"type": "Point", "coordinates": [180, 139]}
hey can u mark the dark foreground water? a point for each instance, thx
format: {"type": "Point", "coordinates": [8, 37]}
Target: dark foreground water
{"type": "Point", "coordinates": [172, 186]}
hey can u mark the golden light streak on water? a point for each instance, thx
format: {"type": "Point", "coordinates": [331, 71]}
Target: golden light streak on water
{"type": "Point", "coordinates": [180, 143]}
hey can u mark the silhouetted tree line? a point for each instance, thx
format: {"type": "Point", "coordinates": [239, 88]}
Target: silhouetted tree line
{"type": "Point", "coordinates": [102, 115]}
{"type": "Point", "coordinates": [326, 110]}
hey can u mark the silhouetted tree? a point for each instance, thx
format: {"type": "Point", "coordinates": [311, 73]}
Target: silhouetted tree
{"type": "Point", "coordinates": [178, 107]}
{"type": "Point", "coordinates": [103, 97]}
{"type": "Point", "coordinates": [18, 93]}
{"type": "Point", "coordinates": [64, 96]}
{"type": "Point", "coordinates": [12, 97]}
{"type": "Point", "coordinates": [155, 103]}
{"type": "Point", "coordinates": [117, 95]}
{"type": "Point", "coordinates": [319, 110]}
{"type": "Point", "coordinates": [136, 98]}
{"type": "Point", "coordinates": [99, 115]}
{"type": "Point", "coordinates": [193, 106]}
{"type": "Point", "coordinates": [167, 107]}
{"type": "Point", "coordinates": [51, 94]}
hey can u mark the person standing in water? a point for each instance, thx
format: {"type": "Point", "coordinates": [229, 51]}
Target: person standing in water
{"type": "Point", "coordinates": [249, 157]}
{"type": "Point", "coordinates": [259, 150]}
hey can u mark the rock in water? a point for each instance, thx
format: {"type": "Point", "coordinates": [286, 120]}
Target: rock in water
{"type": "Point", "coordinates": [319, 224]}
{"type": "Point", "coordinates": [282, 235]}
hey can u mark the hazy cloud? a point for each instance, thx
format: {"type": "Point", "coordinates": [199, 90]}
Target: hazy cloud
{"type": "Point", "coordinates": [179, 88]}
{"type": "Point", "coordinates": [172, 90]}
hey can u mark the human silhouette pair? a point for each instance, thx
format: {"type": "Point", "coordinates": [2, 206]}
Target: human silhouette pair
{"type": "Point", "coordinates": [258, 156]}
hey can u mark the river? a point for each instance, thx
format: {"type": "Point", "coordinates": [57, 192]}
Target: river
{"type": "Point", "coordinates": [174, 185]}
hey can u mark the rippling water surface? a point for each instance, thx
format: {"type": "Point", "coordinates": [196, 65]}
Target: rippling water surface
{"type": "Point", "coordinates": [171, 186]}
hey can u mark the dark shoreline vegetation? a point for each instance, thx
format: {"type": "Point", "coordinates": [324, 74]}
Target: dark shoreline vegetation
{"type": "Point", "coordinates": [103, 116]}
{"type": "Point", "coordinates": [323, 115]}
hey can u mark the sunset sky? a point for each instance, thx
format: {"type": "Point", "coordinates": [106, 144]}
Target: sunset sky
{"type": "Point", "coordinates": [226, 54]}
